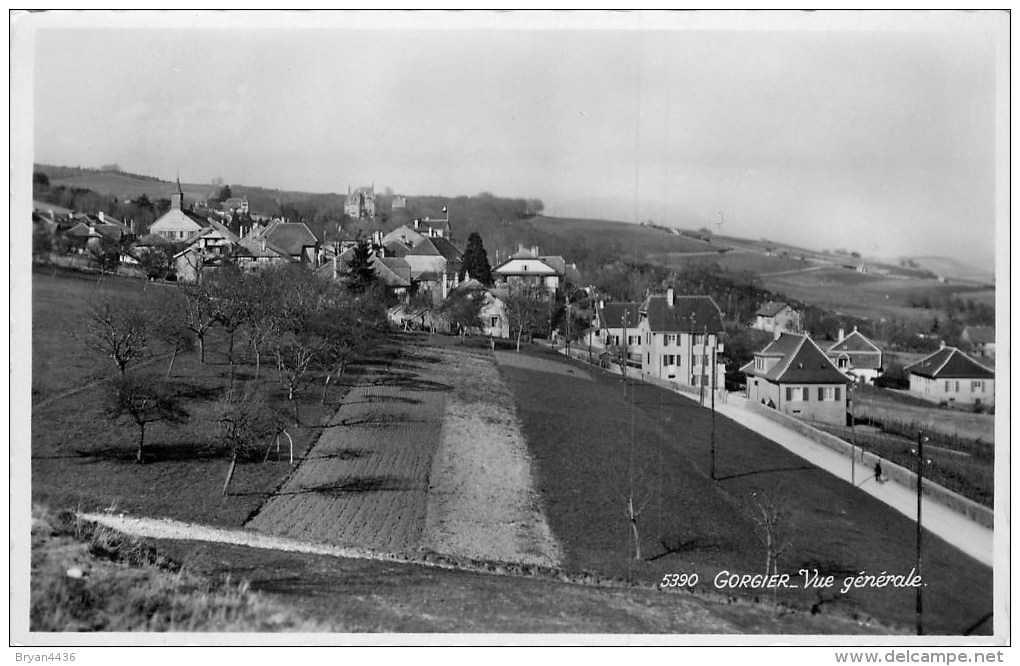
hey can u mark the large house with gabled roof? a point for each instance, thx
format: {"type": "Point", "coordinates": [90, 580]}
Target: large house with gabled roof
{"type": "Point", "coordinates": [951, 376]}
{"type": "Point", "coordinates": [856, 356]}
{"type": "Point", "coordinates": [528, 268]}
{"type": "Point", "coordinates": [794, 376]}
{"type": "Point", "coordinates": [680, 340]}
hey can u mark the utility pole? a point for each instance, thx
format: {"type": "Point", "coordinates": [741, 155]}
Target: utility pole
{"type": "Point", "coordinates": [623, 362]}
{"type": "Point", "coordinates": [715, 347]}
{"type": "Point", "coordinates": [704, 359]}
{"type": "Point", "coordinates": [920, 474]}
{"type": "Point", "coordinates": [853, 436]}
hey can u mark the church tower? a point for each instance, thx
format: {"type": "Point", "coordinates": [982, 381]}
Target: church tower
{"type": "Point", "coordinates": [177, 198]}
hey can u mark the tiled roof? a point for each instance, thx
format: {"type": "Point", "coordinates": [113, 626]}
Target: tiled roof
{"type": "Point", "coordinates": [855, 342]}
{"type": "Point", "coordinates": [771, 308]}
{"type": "Point", "coordinates": [556, 262]}
{"type": "Point", "coordinates": [292, 237]}
{"type": "Point", "coordinates": [395, 248]}
{"type": "Point", "coordinates": [447, 249]}
{"type": "Point", "coordinates": [425, 248]}
{"type": "Point", "coordinates": [802, 362]}
{"type": "Point", "coordinates": [393, 271]}
{"type": "Point", "coordinates": [688, 313]}
{"type": "Point", "coordinates": [950, 363]}
{"type": "Point", "coordinates": [261, 249]}
{"type": "Point", "coordinates": [980, 335]}
{"type": "Point", "coordinates": [611, 314]}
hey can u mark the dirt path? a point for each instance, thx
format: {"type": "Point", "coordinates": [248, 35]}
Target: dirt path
{"type": "Point", "coordinates": [482, 501]}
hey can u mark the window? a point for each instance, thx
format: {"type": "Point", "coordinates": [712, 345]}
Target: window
{"type": "Point", "coordinates": [836, 393]}
{"type": "Point", "coordinates": [789, 394]}
{"type": "Point", "coordinates": [807, 396]}
{"type": "Point", "coordinates": [947, 386]}
{"type": "Point", "coordinates": [977, 385]}
{"type": "Point", "coordinates": [957, 388]}
{"type": "Point", "coordinates": [842, 362]}
{"type": "Point", "coordinates": [821, 393]}
{"type": "Point", "coordinates": [648, 359]}
{"type": "Point", "coordinates": [493, 322]}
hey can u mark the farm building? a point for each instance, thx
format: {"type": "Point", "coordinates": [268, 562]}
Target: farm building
{"type": "Point", "coordinates": [610, 322]}
{"type": "Point", "coordinates": [793, 375]}
{"type": "Point", "coordinates": [949, 375]}
{"type": "Point", "coordinates": [776, 317]}
{"type": "Point", "coordinates": [680, 339]}
{"type": "Point", "coordinates": [856, 356]}
{"type": "Point", "coordinates": [981, 340]}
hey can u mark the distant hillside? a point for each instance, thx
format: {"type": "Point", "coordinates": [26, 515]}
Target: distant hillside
{"type": "Point", "coordinates": [952, 269]}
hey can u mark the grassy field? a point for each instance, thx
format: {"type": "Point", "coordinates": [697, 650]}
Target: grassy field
{"type": "Point", "coordinates": [632, 239]}
{"type": "Point", "coordinates": [580, 433]}
{"type": "Point", "coordinates": [127, 187]}
{"type": "Point", "coordinates": [864, 295]}
{"type": "Point", "coordinates": [736, 261]}
{"type": "Point", "coordinates": [60, 299]}
{"type": "Point", "coordinates": [882, 405]}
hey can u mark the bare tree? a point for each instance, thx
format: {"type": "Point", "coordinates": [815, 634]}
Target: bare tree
{"type": "Point", "coordinates": [772, 525]}
{"type": "Point", "coordinates": [169, 327]}
{"type": "Point", "coordinates": [525, 311]}
{"type": "Point", "coordinates": [198, 312]}
{"type": "Point", "coordinates": [144, 400]}
{"type": "Point", "coordinates": [119, 329]}
{"type": "Point", "coordinates": [244, 419]}
{"type": "Point", "coordinates": [296, 354]}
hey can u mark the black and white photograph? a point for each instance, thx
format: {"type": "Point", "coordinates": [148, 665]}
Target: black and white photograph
{"type": "Point", "coordinates": [511, 328]}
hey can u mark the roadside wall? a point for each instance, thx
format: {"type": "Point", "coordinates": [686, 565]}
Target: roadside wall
{"type": "Point", "coordinates": [974, 511]}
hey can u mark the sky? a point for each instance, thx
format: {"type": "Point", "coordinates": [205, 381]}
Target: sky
{"type": "Point", "coordinates": [874, 133]}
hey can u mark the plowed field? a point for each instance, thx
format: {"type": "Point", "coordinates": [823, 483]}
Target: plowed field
{"type": "Point", "coordinates": [425, 454]}
{"type": "Point", "coordinates": [366, 481]}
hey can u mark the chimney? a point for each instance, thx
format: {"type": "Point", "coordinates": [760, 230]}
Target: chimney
{"type": "Point", "coordinates": [416, 223]}
{"type": "Point", "coordinates": [534, 250]}
{"type": "Point", "coordinates": [942, 344]}
{"type": "Point", "coordinates": [102, 217]}
{"type": "Point", "coordinates": [841, 336]}
{"type": "Point", "coordinates": [520, 247]}
{"type": "Point", "coordinates": [776, 333]}
{"type": "Point", "coordinates": [670, 297]}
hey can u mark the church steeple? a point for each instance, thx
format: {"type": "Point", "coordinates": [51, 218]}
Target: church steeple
{"type": "Point", "coordinates": [177, 198]}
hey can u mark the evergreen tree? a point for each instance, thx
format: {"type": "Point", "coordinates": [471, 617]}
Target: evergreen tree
{"type": "Point", "coordinates": [476, 261]}
{"type": "Point", "coordinates": [360, 273]}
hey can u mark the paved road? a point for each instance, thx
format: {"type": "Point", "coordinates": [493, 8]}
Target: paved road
{"type": "Point", "coordinates": [970, 537]}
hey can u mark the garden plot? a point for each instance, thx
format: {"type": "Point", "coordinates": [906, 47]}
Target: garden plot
{"type": "Point", "coordinates": [482, 502]}
{"type": "Point", "coordinates": [366, 481]}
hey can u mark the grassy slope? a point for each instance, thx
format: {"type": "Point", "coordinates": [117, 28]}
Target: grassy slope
{"type": "Point", "coordinates": [579, 433]}
{"type": "Point", "coordinates": [632, 238]}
